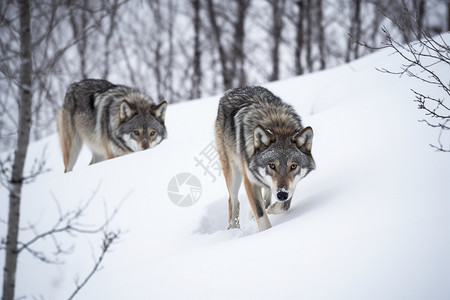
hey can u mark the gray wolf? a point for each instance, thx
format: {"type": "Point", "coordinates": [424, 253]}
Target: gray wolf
{"type": "Point", "coordinates": [261, 140]}
{"type": "Point", "coordinates": [112, 120]}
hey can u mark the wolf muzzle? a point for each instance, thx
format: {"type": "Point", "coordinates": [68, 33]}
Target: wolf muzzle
{"type": "Point", "coordinates": [145, 144]}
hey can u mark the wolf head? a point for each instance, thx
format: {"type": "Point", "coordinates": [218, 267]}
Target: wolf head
{"type": "Point", "coordinates": [281, 161]}
{"type": "Point", "coordinates": [142, 126]}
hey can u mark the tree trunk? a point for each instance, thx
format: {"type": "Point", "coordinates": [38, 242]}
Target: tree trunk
{"type": "Point", "coordinates": [155, 6]}
{"type": "Point", "coordinates": [407, 28]}
{"type": "Point", "coordinates": [108, 37]}
{"type": "Point", "coordinates": [448, 15]}
{"type": "Point", "coordinates": [355, 31]}
{"type": "Point", "coordinates": [419, 7]}
{"type": "Point", "coordinates": [25, 88]}
{"type": "Point", "coordinates": [358, 28]}
{"type": "Point", "coordinates": [169, 94]}
{"type": "Point", "coordinates": [309, 26]}
{"type": "Point", "coordinates": [217, 33]}
{"type": "Point", "coordinates": [79, 27]}
{"type": "Point", "coordinates": [278, 8]}
{"type": "Point", "coordinates": [320, 33]}
{"type": "Point", "coordinates": [239, 39]}
{"type": "Point", "coordinates": [377, 19]}
{"type": "Point", "coordinates": [299, 38]}
{"type": "Point", "coordinates": [197, 78]}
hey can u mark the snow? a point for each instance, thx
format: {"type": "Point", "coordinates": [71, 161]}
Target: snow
{"type": "Point", "coordinates": [371, 222]}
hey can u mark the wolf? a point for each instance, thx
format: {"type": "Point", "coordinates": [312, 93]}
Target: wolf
{"type": "Point", "coordinates": [261, 140]}
{"type": "Point", "coordinates": [112, 120]}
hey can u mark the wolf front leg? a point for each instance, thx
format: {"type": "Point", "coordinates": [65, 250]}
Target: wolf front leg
{"type": "Point", "coordinates": [233, 178]}
{"type": "Point", "coordinates": [267, 197]}
{"type": "Point", "coordinates": [256, 202]}
{"type": "Point", "coordinates": [108, 151]}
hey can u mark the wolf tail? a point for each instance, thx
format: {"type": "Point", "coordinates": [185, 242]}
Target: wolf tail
{"type": "Point", "coordinates": [69, 138]}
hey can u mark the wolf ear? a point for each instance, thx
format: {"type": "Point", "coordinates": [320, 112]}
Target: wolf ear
{"type": "Point", "coordinates": [159, 111]}
{"type": "Point", "coordinates": [126, 111]}
{"type": "Point", "coordinates": [303, 139]}
{"type": "Point", "coordinates": [263, 137]}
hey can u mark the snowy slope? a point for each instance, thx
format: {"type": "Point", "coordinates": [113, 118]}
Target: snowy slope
{"type": "Point", "coordinates": [372, 222]}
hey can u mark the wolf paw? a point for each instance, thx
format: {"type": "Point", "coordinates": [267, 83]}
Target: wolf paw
{"type": "Point", "coordinates": [233, 224]}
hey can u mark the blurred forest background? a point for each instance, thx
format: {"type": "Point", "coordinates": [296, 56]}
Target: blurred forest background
{"type": "Point", "coordinates": [180, 50]}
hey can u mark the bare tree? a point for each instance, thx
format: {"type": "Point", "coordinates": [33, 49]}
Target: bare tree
{"type": "Point", "coordinates": [377, 18]}
{"type": "Point", "coordinates": [239, 41]}
{"type": "Point", "coordinates": [15, 184]}
{"type": "Point", "coordinates": [420, 58]}
{"type": "Point", "coordinates": [419, 8]}
{"type": "Point", "coordinates": [31, 45]}
{"type": "Point", "coordinates": [299, 41]}
{"type": "Point", "coordinates": [217, 32]}
{"type": "Point", "coordinates": [309, 34]}
{"type": "Point", "coordinates": [79, 22]}
{"type": "Point", "coordinates": [406, 16]}
{"type": "Point", "coordinates": [112, 18]}
{"type": "Point", "coordinates": [169, 80]}
{"type": "Point", "coordinates": [448, 15]}
{"type": "Point", "coordinates": [278, 8]}
{"type": "Point", "coordinates": [231, 65]}
{"type": "Point", "coordinates": [158, 38]}
{"type": "Point", "coordinates": [320, 34]}
{"type": "Point", "coordinates": [197, 76]}
{"type": "Point", "coordinates": [355, 31]}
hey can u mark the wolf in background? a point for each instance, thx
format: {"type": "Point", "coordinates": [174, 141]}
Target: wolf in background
{"type": "Point", "coordinates": [261, 140]}
{"type": "Point", "coordinates": [112, 120]}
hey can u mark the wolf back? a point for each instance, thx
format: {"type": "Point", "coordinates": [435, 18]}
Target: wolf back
{"type": "Point", "coordinates": [112, 119]}
{"type": "Point", "coordinates": [253, 130]}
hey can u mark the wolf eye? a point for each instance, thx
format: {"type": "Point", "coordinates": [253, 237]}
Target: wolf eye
{"type": "Point", "coordinates": [272, 166]}
{"type": "Point", "coordinates": [152, 133]}
{"type": "Point", "coordinates": [136, 132]}
{"type": "Point", "coordinates": [293, 167]}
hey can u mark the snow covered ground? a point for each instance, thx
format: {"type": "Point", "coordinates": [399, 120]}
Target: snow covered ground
{"type": "Point", "coordinates": [372, 222]}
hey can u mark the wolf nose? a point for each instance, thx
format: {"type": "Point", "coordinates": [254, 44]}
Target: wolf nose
{"type": "Point", "coordinates": [282, 196]}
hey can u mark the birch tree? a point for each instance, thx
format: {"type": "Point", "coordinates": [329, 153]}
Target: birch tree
{"type": "Point", "coordinates": [15, 184]}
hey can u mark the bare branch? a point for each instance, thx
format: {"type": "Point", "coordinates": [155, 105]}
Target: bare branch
{"type": "Point", "coordinates": [109, 237]}
{"type": "Point", "coordinates": [69, 223]}
{"type": "Point", "coordinates": [420, 58]}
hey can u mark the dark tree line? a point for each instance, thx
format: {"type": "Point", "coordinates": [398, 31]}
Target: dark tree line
{"type": "Point", "coordinates": [177, 50]}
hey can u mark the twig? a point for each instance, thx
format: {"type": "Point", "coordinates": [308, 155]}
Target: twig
{"type": "Point", "coordinates": [108, 240]}
{"type": "Point", "coordinates": [420, 57]}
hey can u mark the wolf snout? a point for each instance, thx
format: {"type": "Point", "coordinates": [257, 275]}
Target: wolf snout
{"type": "Point", "coordinates": [282, 195]}
{"type": "Point", "coordinates": [145, 144]}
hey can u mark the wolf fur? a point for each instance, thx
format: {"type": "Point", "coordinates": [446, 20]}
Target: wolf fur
{"type": "Point", "coordinates": [261, 140]}
{"type": "Point", "coordinates": [112, 120]}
